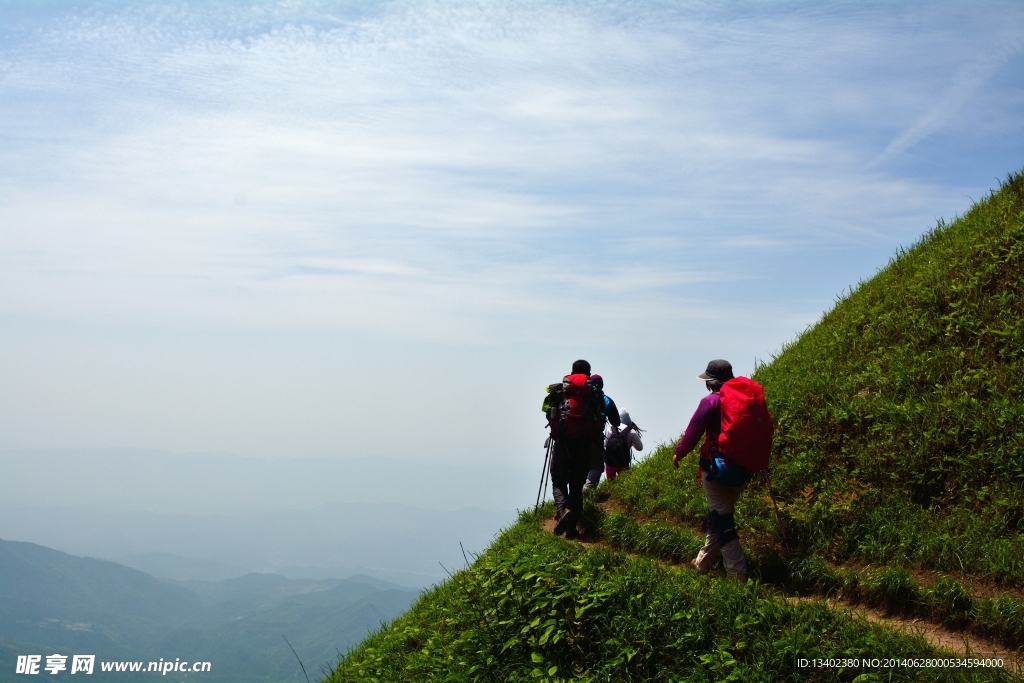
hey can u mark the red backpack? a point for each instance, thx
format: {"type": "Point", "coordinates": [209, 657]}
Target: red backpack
{"type": "Point", "coordinates": [747, 428]}
{"type": "Point", "coordinates": [574, 407]}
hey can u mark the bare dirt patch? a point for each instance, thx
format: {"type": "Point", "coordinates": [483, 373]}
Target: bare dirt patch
{"type": "Point", "coordinates": [584, 538]}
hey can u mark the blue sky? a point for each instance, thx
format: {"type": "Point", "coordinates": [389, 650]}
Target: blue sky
{"type": "Point", "coordinates": [338, 230]}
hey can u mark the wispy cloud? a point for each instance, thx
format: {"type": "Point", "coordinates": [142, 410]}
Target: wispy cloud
{"type": "Point", "coordinates": [484, 173]}
{"type": "Point", "coordinates": [966, 82]}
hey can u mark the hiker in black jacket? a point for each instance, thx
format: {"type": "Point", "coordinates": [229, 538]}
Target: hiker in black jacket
{"type": "Point", "coordinates": [575, 411]}
{"type": "Point", "coordinates": [609, 412]}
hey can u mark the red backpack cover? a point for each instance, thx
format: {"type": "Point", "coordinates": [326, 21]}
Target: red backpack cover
{"type": "Point", "coordinates": [581, 404]}
{"type": "Point", "coordinates": [747, 428]}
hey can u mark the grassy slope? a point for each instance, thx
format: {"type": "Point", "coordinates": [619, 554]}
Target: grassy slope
{"type": "Point", "coordinates": [900, 425]}
{"type": "Point", "coordinates": [536, 607]}
{"type": "Point", "coordinates": [900, 415]}
{"type": "Point", "coordinates": [899, 443]}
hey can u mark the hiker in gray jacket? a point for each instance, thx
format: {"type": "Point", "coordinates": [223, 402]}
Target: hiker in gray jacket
{"type": "Point", "coordinates": [619, 442]}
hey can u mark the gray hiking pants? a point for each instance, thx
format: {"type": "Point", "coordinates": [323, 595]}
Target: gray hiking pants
{"type": "Point", "coordinates": [722, 499]}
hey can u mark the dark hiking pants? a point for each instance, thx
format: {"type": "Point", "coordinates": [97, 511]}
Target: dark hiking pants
{"type": "Point", "coordinates": [596, 463]}
{"type": "Point", "coordinates": [570, 461]}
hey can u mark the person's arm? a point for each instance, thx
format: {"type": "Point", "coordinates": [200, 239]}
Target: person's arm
{"type": "Point", "coordinates": [696, 428]}
{"type": "Point", "coordinates": [638, 445]}
{"type": "Point", "coordinates": [611, 412]}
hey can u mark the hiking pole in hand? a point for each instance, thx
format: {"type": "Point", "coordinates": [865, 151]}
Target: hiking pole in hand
{"type": "Point", "coordinates": [543, 473]}
{"type": "Point", "coordinates": [778, 516]}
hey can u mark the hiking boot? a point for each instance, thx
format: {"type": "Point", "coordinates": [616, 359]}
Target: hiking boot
{"type": "Point", "coordinates": [572, 533]}
{"type": "Point", "coordinates": [563, 524]}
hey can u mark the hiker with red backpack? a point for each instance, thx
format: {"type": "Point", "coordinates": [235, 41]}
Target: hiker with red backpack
{"type": "Point", "coordinates": [575, 412]}
{"type": "Point", "coordinates": [737, 429]}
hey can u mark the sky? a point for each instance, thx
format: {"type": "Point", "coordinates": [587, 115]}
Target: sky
{"type": "Point", "coordinates": [341, 230]}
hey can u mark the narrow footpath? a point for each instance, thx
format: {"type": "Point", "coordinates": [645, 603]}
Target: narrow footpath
{"type": "Point", "coordinates": [957, 643]}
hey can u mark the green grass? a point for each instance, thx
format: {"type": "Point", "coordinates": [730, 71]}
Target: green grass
{"type": "Point", "coordinates": [538, 608]}
{"type": "Point", "coordinates": [900, 415]}
{"type": "Point", "coordinates": [655, 539]}
{"type": "Point", "coordinates": [945, 600]}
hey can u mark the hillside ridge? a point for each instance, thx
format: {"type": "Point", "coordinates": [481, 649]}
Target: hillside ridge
{"type": "Point", "coordinates": [900, 430]}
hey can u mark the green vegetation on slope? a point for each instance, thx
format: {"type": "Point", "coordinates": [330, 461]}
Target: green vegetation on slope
{"type": "Point", "coordinates": [900, 416]}
{"type": "Point", "coordinates": [942, 598]}
{"type": "Point", "coordinates": [535, 607]}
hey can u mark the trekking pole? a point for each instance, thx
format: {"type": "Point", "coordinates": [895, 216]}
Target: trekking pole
{"type": "Point", "coordinates": [543, 473]}
{"type": "Point", "coordinates": [547, 478]}
{"type": "Point", "coordinates": [778, 516]}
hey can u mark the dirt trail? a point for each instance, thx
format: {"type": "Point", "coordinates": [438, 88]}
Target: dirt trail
{"type": "Point", "coordinates": [955, 642]}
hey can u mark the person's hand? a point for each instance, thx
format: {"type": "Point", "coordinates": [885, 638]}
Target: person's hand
{"type": "Point", "coordinates": [675, 460]}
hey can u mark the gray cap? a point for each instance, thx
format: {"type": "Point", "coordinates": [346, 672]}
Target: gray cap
{"type": "Point", "coordinates": [624, 416]}
{"type": "Point", "coordinates": [718, 371]}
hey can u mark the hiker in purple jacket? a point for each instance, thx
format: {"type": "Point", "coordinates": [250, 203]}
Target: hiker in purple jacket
{"type": "Point", "coordinates": [707, 422]}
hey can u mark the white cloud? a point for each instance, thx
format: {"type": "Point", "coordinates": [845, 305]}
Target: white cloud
{"type": "Point", "coordinates": [475, 174]}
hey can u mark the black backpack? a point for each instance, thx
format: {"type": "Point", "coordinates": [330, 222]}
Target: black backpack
{"type": "Point", "coordinates": [617, 447]}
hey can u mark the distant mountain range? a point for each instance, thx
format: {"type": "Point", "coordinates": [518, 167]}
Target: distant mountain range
{"type": "Point", "coordinates": [397, 543]}
{"type": "Point", "coordinates": [212, 516]}
{"type": "Point", "coordinates": [223, 484]}
{"type": "Point", "coordinates": [213, 557]}
{"type": "Point", "coordinates": [53, 602]}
